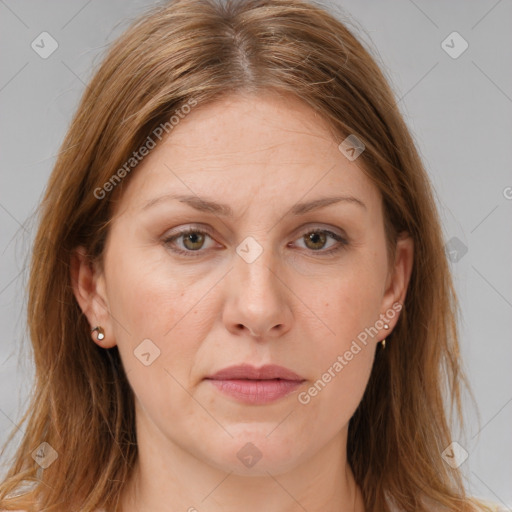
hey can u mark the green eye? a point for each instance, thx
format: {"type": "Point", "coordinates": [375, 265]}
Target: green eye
{"type": "Point", "coordinates": [194, 239]}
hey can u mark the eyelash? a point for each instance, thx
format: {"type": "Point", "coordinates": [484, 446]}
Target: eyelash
{"type": "Point", "coordinates": [342, 242]}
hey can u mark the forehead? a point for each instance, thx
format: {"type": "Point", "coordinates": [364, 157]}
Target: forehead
{"type": "Point", "coordinates": [246, 147]}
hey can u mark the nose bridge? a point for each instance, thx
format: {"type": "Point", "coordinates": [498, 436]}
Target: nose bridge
{"type": "Point", "coordinates": [258, 297]}
{"type": "Point", "coordinates": [254, 267]}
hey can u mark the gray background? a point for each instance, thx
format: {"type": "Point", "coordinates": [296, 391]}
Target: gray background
{"type": "Point", "coordinates": [459, 111]}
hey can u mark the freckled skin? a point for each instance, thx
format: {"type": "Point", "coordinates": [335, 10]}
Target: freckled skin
{"type": "Point", "coordinates": [189, 434]}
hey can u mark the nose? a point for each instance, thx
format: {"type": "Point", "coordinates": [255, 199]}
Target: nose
{"type": "Point", "coordinates": [258, 298]}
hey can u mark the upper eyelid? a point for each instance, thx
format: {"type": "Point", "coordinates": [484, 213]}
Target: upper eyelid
{"type": "Point", "coordinates": [303, 229]}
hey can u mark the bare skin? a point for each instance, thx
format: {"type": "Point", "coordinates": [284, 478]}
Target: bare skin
{"type": "Point", "coordinates": [294, 305]}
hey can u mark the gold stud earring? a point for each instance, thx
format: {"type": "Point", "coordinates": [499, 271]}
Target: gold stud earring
{"type": "Point", "coordinates": [100, 333]}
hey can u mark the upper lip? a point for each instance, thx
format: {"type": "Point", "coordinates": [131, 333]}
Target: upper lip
{"type": "Point", "coordinates": [247, 371]}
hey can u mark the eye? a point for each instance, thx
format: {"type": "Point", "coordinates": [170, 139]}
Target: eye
{"type": "Point", "coordinates": [193, 240]}
{"type": "Point", "coordinates": [315, 240]}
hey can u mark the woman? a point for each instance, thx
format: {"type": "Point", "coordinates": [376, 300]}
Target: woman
{"type": "Point", "coordinates": [239, 297]}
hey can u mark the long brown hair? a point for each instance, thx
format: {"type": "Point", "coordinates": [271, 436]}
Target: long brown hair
{"type": "Point", "coordinates": [199, 50]}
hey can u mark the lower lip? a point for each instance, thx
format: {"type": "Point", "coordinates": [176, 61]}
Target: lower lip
{"type": "Point", "coordinates": [256, 391]}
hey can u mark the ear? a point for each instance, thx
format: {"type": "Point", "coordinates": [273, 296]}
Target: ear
{"type": "Point", "coordinates": [398, 280]}
{"type": "Point", "coordinates": [88, 283]}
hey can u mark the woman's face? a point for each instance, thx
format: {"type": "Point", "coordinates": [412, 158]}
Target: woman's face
{"type": "Point", "coordinates": [251, 285]}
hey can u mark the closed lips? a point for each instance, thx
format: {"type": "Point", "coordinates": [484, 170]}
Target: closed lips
{"type": "Point", "coordinates": [256, 386]}
{"type": "Point", "coordinates": [249, 372]}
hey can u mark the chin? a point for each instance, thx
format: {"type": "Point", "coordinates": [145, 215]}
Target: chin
{"type": "Point", "coordinates": [256, 453]}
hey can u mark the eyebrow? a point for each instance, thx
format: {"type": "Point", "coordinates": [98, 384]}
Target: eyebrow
{"type": "Point", "coordinates": [205, 205]}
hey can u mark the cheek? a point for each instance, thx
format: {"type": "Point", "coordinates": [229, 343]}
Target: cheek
{"type": "Point", "coordinates": [147, 292]}
{"type": "Point", "coordinates": [349, 301]}
{"type": "Point", "coordinates": [349, 306]}
{"type": "Point", "coordinates": [333, 398]}
{"type": "Point", "coordinates": [155, 310]}
{"type": "Point", "coordinates": [342, 363]}
{"type": "Point", "coordinates": [158, 328]}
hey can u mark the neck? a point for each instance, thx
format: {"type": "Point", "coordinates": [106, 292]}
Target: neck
{"type": "Point", "coordinates": [170, 477]}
